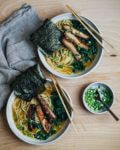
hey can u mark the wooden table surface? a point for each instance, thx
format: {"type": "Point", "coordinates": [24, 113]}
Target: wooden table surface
{"type": "Point", "coordinates": [96, 132]}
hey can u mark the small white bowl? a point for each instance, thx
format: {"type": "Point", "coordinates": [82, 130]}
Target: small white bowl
{"type": "Point", "coordinates": [94, 85]}
{"type": "Point", "coordinates": [72, 76]}
{"type": "Point", "coordinates": [27, 139]}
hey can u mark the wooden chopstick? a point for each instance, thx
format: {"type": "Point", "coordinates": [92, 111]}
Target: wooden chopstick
{"type": "Point", "coordinates": [65, 96]}
{"type": "Point", "coordinates": [96, 32]}
{"type": "Point", "coordinates": [66, 99]}
{"type": "Point", "coordinates": [73, 125]}
{"type": "Point", "coordinates": [85, 26]}
{"type": "Point", "coordinates": [63, 93]}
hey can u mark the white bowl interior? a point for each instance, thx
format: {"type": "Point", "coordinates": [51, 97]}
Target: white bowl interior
{"type": "Point", "coordinates": [94, 85]}
{"type": "Point", "coordinates": [72, 76]}
{"type": "Point", "coordinates": [27, 139]}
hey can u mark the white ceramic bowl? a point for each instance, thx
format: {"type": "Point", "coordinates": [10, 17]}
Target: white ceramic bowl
{"type": "Point", "coordinates": [26, 138]}
{"type": "Point", "coordinates": [94, 85]}
{"type": "Point", "coordinates": [73, 76]}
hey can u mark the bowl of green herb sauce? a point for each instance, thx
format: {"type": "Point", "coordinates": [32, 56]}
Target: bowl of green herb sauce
{"type": "Point", "coordinates": [90, 97]}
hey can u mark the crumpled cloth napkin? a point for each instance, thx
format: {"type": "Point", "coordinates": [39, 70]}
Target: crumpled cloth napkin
{"type": "Point", "coordinates": [16, 51]}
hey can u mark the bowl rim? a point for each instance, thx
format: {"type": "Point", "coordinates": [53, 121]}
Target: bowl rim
{"type": "Point", "coordinates": [83, 97]}
{"type": "Point", "coordinates": [25, 138]}
{"type": "Point", "coordinates": [47, 66]}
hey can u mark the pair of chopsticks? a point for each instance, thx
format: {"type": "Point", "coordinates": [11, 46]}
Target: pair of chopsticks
{"type": "Point", "coordinates": [90, 29]}
{"type": "Point", "coordinates": [64, 99]}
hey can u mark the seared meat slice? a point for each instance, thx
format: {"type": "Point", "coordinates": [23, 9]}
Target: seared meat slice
{"type": "Point", "coordinates": [31, 116]}
{"type": "Point", "coordinates": [75, 32]}
{"type": "Point", "coordinates": [75, 40]}
{"type": "Point", "coordinates": [72, 48]}
{"type": "Point", "coordinates": [72, 38]}
{"type": "Point", "coordinates": [46, 109]}
{"type": "Point", "coordinates": [46, 125]}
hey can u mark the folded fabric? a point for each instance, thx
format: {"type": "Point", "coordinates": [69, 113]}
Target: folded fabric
{"type": "Point", "coordinates": [16, 51]}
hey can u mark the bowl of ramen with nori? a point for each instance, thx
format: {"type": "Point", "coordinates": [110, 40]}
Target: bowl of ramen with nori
{"type": "Point", "coordinates": [66, 48]}
{"type": "Point", "coordinates": [34, 111]}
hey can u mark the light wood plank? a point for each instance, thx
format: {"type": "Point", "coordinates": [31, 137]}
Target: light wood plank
{"type": "Point", "coordinates": [101, 132]}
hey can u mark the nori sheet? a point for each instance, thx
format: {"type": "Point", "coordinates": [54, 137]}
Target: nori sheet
{"type": "Point", "coordinates": [48, 37]}
{"type": "Point", "coordinates": [28, 84]}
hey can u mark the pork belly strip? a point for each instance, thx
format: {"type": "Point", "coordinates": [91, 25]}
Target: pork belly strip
{"type": "Point", "coordinates": [75, 32]}
{"type": "Point", "coordinates": [31, 116]}
{"type": "Point", "coordinates": [46, 109]}
{"type": "Point", "coordinates": [72, 48]}
{"type": "Point", "coordinates": [46, 125]}
{"type": "Point", "coordinates": [75, 40]}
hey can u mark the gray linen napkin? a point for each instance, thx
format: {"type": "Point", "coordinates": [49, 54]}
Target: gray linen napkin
{"type": "Point", "coordinates": [16, 51]}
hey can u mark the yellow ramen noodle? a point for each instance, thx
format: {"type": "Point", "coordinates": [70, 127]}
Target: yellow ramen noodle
{"type": "Point", "coordinates": [62, 59]}
{"type": "Point", "coordinates": [20, 109]}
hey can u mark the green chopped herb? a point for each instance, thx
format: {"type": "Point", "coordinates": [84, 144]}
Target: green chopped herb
{"type": "Point", "coordinates": [93, 103]}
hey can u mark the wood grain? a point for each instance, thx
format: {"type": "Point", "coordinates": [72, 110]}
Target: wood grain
{"type": "Point", "coordinates": [99, 132]}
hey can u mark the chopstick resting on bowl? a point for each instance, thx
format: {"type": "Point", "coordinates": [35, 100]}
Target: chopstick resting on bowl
{"type": "Point", "coordinates": [94, 30]}
{"type": "Point", "coordinates": [63, 93]}
{"type": "Point", "coordinates": [88, 27]}
{"type": "Point", "coordinates": [65, 97]}
{"type": "Point", "coordinates": [61, 98]}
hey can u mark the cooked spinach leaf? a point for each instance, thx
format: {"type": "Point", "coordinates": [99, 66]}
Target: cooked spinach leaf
{"type": "Point", "coordinates": [29, 83]}
{"type": "Point", "coordinates": [78, 66]}
{"type": "Point", "coordinates": [37, 125]}
{"type": "Point", "coordinates": [86, 54]}
{"type": "Point", "coordinates": [42, 135]}
{"type": "Point", "coordinates": [48, 37]}
{"type": "Point", "coordinates": [58, 108]}
{"type": "Point", "coordinates": [61, 116]}
{"type": "Point", "coordinates": [77, 25]}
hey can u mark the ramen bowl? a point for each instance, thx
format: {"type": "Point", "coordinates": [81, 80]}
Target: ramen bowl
{"type": "Point", "coordinates": [69, 16]}
{"type": "Point", "coordinates": [27, 139]}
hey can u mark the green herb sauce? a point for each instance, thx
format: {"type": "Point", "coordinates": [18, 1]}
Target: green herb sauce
{"type": "Point", "coordinates": [93, 103]}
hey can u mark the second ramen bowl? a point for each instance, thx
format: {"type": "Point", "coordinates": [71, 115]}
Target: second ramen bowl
{"type": "Point", "coordinates": [69, 16]}
{"type": "Point", "coordinates": [27, 139]}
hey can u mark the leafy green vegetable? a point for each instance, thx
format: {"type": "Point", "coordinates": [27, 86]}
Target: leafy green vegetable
{"type": "Point", "coordinates": [48, 37]}
{"type": "Point", "coordinates": [29, 83]}
{"type": "Point", "coordinates": [58, 108]}
{"type": "Point", "coordinates": [61, 116]}
{"type": "Point", "coordinates": [86, 54]}
{"type": "Point", "coordinates": [20, 127]}
{"type": "Point", "coordinates": [92, 44]}
{"type": "Point", "coordinates": [42, 135]}
{"type": "Point", "coordinates": [78, 66]}
{"type": "Point", "coordinates": [35, 124]}
{"type": "Point", "coordinates": [77, 25]}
